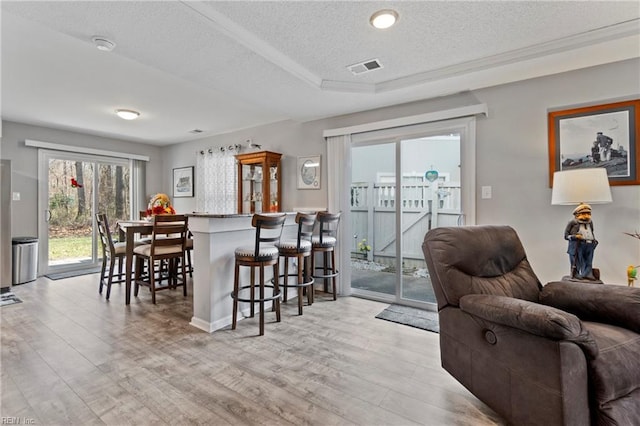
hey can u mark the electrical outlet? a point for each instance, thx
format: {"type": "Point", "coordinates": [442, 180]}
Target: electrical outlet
{"type": "Point", "coordinates": [486, 192]}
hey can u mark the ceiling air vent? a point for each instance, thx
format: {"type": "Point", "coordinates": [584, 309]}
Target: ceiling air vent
{"type": "Point", "coordinates": [366, 66]}
{"type": "Point", "coordinates": [196, 131]}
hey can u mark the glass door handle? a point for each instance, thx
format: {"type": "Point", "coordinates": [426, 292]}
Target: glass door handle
{"type": "Point", "coordinates": [47, 215]}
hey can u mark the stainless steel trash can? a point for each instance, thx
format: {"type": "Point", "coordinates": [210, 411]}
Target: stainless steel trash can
{"type": "Point", "coordinates": [25, 259]}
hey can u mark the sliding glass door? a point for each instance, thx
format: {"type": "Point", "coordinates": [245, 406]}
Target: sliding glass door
{"type": "Point", "coordinates": [430, 190]}
{"type": "Point", "coordinates": [401, 187]}
{"type": "Point", "coordinates": [73, 187]}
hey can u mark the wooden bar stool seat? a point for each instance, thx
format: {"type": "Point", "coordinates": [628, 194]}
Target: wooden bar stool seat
{"type": "Point", "coordinates": [325, 242]}
{"type": "Point", "coordinates": [299, 249]}
{"type": "Point", "coordinates": [263, 253]}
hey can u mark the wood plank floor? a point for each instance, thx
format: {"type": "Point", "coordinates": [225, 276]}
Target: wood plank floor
{"type": "Point", "coordinates": [70, 357]}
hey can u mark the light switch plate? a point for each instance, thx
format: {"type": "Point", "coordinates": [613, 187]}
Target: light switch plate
{"type": "Point", "coordinates": [16, 196]}
{"type": "Point", "coordinates": [486, 192]}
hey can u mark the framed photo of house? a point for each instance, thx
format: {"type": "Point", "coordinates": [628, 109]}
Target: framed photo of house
{"type": "Point", "coordinates": [308, 172]}
{"type": "Point", "coordinates": [606, 136]}
{"type": "Point", "coordinates": [183, 182]}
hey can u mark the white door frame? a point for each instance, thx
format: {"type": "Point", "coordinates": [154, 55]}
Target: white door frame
{"type": "Point", "coordinates": [339, 166]}
{"type": "Point", "coordinates": [44, 155]}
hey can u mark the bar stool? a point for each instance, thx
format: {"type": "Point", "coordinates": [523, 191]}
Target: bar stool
{"type": "Point", "coordinates": [262, 253]}
{"type": "Point", "coordinates": [299, 249]}
{"type": "Point", "coordinates": [325, 243]}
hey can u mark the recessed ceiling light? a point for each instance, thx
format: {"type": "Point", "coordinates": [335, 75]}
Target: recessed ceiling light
{"type": "Point", "coordinates": [384, 18]}
{"type": "Point", "coordinates": [103, 43]}
{"type": "Point", "coordinates": [127, 114]}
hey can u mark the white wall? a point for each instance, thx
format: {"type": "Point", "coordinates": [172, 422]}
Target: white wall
{"type": "Point", "coordinates": [511, 157]}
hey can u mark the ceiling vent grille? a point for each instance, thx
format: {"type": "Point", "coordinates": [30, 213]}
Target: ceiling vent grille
{"type": "Point", "coordinates": [366, 66]}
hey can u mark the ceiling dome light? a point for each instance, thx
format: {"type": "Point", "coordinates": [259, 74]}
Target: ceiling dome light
{"type": "Point", "coordinates": [127, 114]}
{"type": "Point", "coordinates": [384, 18]}
{"type": "Point", "coordinates": [103, 43]}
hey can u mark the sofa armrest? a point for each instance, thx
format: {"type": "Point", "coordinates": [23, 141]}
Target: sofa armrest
{"type": "Point", "coordinates": [540, 320]}
{"type": "Point", "coordinates": [609, 304]}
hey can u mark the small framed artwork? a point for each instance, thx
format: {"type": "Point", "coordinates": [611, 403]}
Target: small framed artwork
{"type": "Point", "coordinates": [606, 136]}
{"type": "Point", "coordinates": [309, 172]}
{"type": "Point", "coordinates": [183, 182]}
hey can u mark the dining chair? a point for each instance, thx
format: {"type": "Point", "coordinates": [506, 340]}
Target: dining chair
{"type": "Point", "coordinates": [168, 241]}
{"type": "Point", "coordinates": [112, 252]}
{"type": "Point", "coordinates": [189, 246]}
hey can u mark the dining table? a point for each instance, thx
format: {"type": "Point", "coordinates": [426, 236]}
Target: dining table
{"type": "Point", "coordinates": [128, 230]}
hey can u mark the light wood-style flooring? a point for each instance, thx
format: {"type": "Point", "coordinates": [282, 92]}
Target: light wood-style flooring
{"type": "Point", "coordinates": [68, 357]}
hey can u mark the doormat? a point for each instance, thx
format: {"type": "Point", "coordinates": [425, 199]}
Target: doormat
{"type": "Point", "coordinates": [8, 298]}
{"type": "Point", "coordinates": [69, 274]}
{"type": "Point", "coordinates": [413, 317]}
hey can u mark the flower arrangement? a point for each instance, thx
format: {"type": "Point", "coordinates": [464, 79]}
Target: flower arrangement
{"type": "Point", "coordinates": [363, 246]}
{"type": "Point", "coordinates": [160, 204]}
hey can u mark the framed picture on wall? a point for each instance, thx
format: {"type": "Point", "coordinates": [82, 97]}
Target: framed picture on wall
{"type": "Point", "coordinates": [309, 172]}
{"type": "Point", "coordinates": [183, 182]}
{"type": "Point", "coordinates": [605, 136]}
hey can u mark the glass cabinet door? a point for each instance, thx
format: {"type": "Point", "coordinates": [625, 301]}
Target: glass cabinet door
{"type": "Point", "coordinates": [274, 200]}
{"type": "Point", "coordinates": [252, 188]}
{"type": "Point", "coordinates": [259, 182]}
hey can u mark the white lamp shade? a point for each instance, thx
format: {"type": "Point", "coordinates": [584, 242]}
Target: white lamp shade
{"type": "Point", "coordinates": [581, 186]}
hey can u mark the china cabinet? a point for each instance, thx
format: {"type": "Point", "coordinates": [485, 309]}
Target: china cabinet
{"type": "Point", "coordinates": [259, 182]}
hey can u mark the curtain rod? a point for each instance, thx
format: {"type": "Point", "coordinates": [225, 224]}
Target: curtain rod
{"type": "Point", "coordinates": [236, 147]}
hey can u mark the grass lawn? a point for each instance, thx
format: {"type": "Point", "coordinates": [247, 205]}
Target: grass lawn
{"type": "Point", "coordinates": [70, 248]}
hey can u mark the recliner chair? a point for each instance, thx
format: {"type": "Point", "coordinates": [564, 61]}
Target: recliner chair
{"type": "Point", "coordinates": [567, 353]}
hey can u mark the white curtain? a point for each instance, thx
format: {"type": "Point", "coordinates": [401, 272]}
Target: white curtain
{"type": "Point", "coordinates": [216, 184]}
{"type": "Point", "coordinates": [338, 196]}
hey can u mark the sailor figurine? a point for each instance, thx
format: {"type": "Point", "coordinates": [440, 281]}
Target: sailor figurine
{"type": "Point", "coordinates": [582, 243]}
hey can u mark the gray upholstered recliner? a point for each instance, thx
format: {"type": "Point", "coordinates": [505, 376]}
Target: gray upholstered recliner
{"type": "Point", "coordinates": [566, 353]}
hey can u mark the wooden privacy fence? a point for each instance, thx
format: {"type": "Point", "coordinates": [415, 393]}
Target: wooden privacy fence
{"type": "Point", "coordinates": [425, 205]}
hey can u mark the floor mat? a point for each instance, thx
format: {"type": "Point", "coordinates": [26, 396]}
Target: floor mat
{"type": "Point", "coordinates": [69, 274]}
{"type": "Point", "coordinates": [414, 317]}
{"type": "Point", "coordinates": [8, 298]}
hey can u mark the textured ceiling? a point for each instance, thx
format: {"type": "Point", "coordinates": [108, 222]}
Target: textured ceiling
{"type": "Point", "coordinates": [223, 66]}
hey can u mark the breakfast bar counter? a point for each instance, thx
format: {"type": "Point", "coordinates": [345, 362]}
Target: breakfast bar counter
{"type": "Point", "coordinates": [215, 238]}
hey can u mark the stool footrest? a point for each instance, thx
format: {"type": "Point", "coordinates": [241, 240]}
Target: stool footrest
{"type": "Point", "coordinates": [256, 299]}
{"type": "Point", "coordinates": [322, 276]}
{"type": "Point", "coordinates": [282, 284]}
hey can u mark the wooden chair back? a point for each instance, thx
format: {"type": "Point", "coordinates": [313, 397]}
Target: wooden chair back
{"type": "Point", "coordinates": [106, 239]}
{"type": "Point", "coordinates": [268, 229]}
{"type": "Point", "coordinates": [306, 222]}
{"type": "Point", "coordinates": [169, 235]}
{"type": "Point", "coordinates": [328, 224]}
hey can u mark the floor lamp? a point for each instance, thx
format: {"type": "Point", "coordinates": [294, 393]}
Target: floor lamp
{"type": "Point", "coordinates": [581, 187]}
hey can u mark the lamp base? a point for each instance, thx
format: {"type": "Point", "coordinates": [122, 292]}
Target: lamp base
{"type": "Point", "coordinates": [596, 274]}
